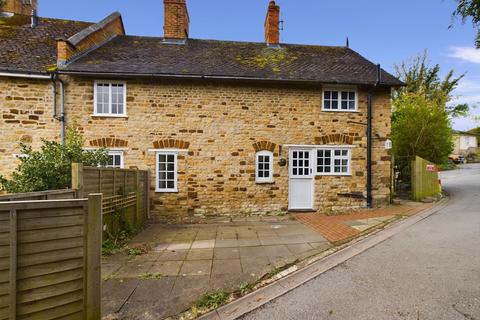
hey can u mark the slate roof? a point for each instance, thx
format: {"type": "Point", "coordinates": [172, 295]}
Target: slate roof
{"type": "Point", "coordinates": [149, 56]}
{"type": "Point", "coordinates": [23, 49]}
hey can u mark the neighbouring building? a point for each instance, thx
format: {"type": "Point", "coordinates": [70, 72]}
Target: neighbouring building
{"type": "Point", "coordinates": [225, 128]}
{"type": "Point", "coordinates": [465, 144]}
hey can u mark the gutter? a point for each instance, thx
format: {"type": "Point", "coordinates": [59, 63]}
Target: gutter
{"type": "Point", "coordinates": [212, 77]}
{"type": "Point", "coordinates": [25, 75]}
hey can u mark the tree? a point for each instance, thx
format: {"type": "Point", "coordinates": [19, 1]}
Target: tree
{"type": "Point", "coordinates": [50, 167]}
{"type": "Point", "coordinates": [420, 128]}
{"type": "Point", "coordinates": [469, 9]}
{"type": "Point", "coordinates": [424, 80]}
{"type": "Point", "coordinates": [421, 117]}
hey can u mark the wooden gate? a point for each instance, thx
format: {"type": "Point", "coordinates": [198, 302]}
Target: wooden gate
{"type": "Point", "coordinates": [50, 254]}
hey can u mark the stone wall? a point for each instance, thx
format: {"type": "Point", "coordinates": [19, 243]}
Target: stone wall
{"type": "Point", "coordinates": [26, 116]}
{"type": "Point", "coordinates": [221, 126]}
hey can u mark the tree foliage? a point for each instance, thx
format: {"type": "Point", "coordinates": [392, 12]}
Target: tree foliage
{"type": "Point", "coordinates": [469, 9]}
{"type": "Point", "coordinates": [50, 167]}
{"type": "Point", "coordinates": [475, 131]}
{"type": "Point", "coordinates": [421, 124]}
{"type": "Point", "coordinates": [424, 80]}
{"type": "Point", "coordinates": [421, 128]}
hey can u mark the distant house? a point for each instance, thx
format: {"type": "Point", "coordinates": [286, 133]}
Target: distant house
{"type": "Point", "coordinates": [224, 127]}
{"type": "Point", "coordinates": [465, 143]}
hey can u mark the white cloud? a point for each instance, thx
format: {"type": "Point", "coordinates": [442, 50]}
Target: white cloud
{"type": "Point", "coordinates": [466, 54]}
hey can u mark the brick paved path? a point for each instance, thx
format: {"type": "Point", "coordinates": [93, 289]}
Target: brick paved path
{"type": "Point", "coordinates": [335, 229]}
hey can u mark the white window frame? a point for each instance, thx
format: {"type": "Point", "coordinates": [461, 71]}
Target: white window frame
{"type": "Point", "coordinates": [109, 114]}
{"type": "Point", "coordinates": [333, 158]}
{"type": "Point", "coordinates": [269, 179]}
{"type": "Point", "coordinates": [175, 168]}
{"type": "Point", "coordinates": [116, 153]}
{"type": "Point", "coordinates": [339, 91]}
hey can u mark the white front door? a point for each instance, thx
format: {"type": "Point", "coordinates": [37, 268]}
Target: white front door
{"type": "Point", "coordinates": [300, 189]}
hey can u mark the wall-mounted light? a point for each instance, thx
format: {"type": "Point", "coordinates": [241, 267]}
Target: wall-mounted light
{"type": "Point", "coordinates": [282, 162]}
{"type": "Point", "coordinates": [388, 144]}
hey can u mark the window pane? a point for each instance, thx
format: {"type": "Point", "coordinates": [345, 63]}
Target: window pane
{"type": "Point", "coordinates": [344, 105]}
{"type": "Point", "coordinates": [352, 95]}
{"type": "Point", "coordinates": [327, 94]}
{"type": "Point", "coordinates": [334, 105]}
{"type": "Point", "coordinates": [335, 95]}
{"type": "Point", "coordinates": [344, 95]}
{"type": "Point", "coordinates": [166, 173]}
{"type": "Point", "coordinates": [351, 105]}
{"type": "Point", "coordinates": [337, 152]}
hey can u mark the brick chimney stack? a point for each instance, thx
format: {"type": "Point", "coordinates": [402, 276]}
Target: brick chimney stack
{"type": "Point", "coordinates": [177, 20]}
{"type": "Point", "coordinates": [272, 24]}
{"type": "Point", "coordinates": [21, 7]}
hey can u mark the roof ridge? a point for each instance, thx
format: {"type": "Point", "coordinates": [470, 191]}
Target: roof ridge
{"type": "Point", "coordinates": [63, 20]}
{"type": "Point", "coordinates": [238, 42]}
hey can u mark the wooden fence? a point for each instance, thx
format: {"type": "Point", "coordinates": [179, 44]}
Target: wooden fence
{"type": "Point", "coordinates": [425, 182]}
{"type": "Point", "coordinates": [50, 253]}
{"type": "Point", "coordinates": [42, 195]}
{"type": "Point", "coordinates": [125, 194]}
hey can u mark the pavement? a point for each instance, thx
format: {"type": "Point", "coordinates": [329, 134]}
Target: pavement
{"type": "Point", "coordinates": [427, 269]}
{"type": "Point", "coordinates": [181, 263]}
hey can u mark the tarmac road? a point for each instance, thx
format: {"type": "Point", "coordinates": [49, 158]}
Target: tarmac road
{"type": "Point", "coordinates": [430, 271]}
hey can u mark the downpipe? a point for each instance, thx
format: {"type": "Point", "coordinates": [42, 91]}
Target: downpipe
{"type": "Point", "coordinates": [60, 117]}
{"type": "Point", "coordinates": [369, 138]}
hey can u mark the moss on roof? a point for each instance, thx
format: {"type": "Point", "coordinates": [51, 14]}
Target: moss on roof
{"type": "Point", "coordinates": [33, 49]}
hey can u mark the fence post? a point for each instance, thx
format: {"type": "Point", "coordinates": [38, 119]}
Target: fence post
{"type": "Point", "coordinates": [93, 257]}
{"type": "Point", "coordinates": [13, 265]}
{"type": "Point", "coordinates": [77, 179]}
{"type": "Point", "coordinates": [139, 199]}
{"type": "Point", "coordinates": [147, 194]}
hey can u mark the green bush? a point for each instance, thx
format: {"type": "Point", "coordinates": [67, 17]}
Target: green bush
{"type": "Point", "coordinates": [50, 168]}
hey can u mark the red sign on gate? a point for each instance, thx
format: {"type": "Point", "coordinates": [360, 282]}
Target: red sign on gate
{"type": "Point", "coordinates": [430, 167]}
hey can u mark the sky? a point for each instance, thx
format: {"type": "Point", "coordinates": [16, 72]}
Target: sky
{"type": "Point", "coordinates": [384, 31]}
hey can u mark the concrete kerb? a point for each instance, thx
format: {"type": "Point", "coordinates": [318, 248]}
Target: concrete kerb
{"type": "Point", "coordinates": [316, 266]}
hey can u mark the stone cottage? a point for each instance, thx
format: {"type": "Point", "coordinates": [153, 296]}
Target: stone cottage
{"type": "Point", "coordinates": [224, 127]}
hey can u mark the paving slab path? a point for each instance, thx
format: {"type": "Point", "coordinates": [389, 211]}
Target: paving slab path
{"type": "Point", "coordinates": [181, 263]}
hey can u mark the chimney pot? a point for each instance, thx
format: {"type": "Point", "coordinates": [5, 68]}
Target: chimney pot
{"type": "Point", "coordinates": [177, 20]}
{"type": "Point", "coordinates": [272, 24]}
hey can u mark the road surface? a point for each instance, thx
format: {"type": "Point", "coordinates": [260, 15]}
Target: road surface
{"type": "Point", "coordinates": [430, 271]}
